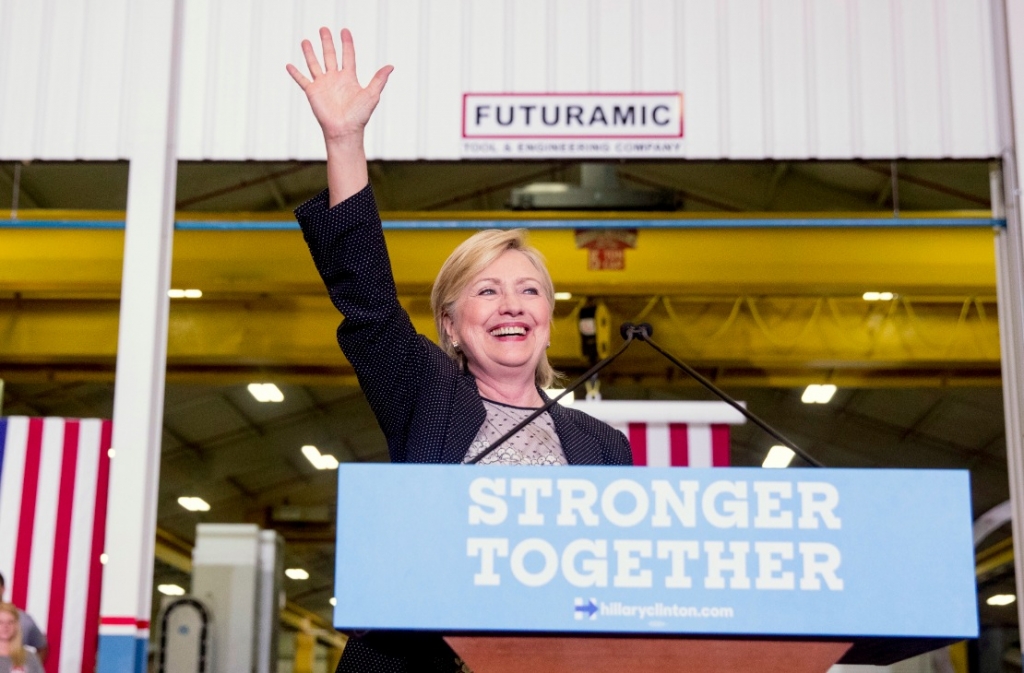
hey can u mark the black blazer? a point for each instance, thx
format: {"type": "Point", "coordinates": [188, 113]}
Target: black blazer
{"type": "Point", "coordinates": [429, 410]}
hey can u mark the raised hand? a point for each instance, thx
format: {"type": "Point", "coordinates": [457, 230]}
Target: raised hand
{"type": "Point", "coordinates": [342, 108]}
{"type": "Point", "coordinates": [340, 104]}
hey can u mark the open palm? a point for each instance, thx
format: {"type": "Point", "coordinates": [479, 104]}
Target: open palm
{"type": "Point", "coordinates": [340, 104]}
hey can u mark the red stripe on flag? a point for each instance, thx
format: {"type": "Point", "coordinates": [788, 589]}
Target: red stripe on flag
{"type": "Point", "coordinates": [679, 445]}
{"type": "Point", "coordinates": [99, 531]}
{"type": "Point", "coordinates": [62, 535]}
{"type": "Point", "coordinates": [720, 456]}
{"type": "Point", "coordinates": [27, 519]}
{"type": "Point", "coordinates": [638, 442]}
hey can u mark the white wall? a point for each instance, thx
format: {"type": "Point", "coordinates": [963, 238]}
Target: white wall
{"type": "Point", "coordinates": [793, 79]}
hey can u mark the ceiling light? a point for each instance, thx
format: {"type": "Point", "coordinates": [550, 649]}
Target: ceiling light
{"type": "Point", "coordinates": [320, 461]}
{"type": "Point", "coordinates": [333, 600]}
{"type": "Point", "coordinates": [1001, 599]}
{"type": "Point", "coordinates": [778, 456]}
{"type": "Point", "coordinates": [563, 296]}
{"type": "Point", "coordinates": [170, 590]}
{"type": "Point", "coordinates": [878, 296]}
{"type": "Point", "coordinates": [194, 504]}
{"type": "Point", "coordinates": [296, 574]}
{"type": "Point", "coordinates": [177, 293]}
{"type": "Point", "coordinates": [818, 393]}
{"type": "Point", "coordinates": [266, 392]}
{"type": "Point", "coordinates": [555, 392]}
{"type": "Point", "coordinates": [104, 558]}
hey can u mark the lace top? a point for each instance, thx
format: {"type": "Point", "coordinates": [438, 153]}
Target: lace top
{"type": "Point", "coordinates": [536, 444]}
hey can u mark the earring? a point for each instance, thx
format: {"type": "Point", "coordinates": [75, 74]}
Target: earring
{"type": "Point", "coordinates": [455, 345]}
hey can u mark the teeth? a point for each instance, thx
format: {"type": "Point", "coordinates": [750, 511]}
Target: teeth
{"type": "Point", "coordinates": [508, 331]}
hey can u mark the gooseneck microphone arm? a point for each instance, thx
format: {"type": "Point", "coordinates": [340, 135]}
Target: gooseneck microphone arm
{"type": "Point", "coordinates": [643, 332]}
{"type": "Point", "coordinates": [629, 335]}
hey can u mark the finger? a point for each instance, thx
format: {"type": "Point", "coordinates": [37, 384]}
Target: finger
{"type": "Point", "coordinates": [330, 58]}
{"type": "Point", "coordinates": [376, 85]}
{"type": "Point", "coordinates": [348, 51]}
{"type": "Point", "coordinates": [299, 78]}
{"type": "Point", "coordinates": [311, 62]}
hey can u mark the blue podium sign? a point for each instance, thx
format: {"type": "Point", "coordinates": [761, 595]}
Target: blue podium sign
{"type": "Point", "coordinates": [831, 552]}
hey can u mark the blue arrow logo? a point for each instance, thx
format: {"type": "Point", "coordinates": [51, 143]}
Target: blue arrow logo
{"type": "Point", "coordinates": [585, 608]}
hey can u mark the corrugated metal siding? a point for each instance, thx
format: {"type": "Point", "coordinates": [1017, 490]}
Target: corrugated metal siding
{"type": "Point", "coordinates": [786, 79]}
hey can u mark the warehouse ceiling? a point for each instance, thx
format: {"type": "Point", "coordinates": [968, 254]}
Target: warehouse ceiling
{"type": "Point", "coordinates": [918, 375]}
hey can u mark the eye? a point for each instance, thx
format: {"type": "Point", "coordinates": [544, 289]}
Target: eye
{"type": "Point", "coordinates": [486, 291]}
{"type": "Point", "coordinates": [531, 290]}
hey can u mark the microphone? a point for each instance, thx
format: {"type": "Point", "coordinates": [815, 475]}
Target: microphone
{"type": "Point", "coordinates": [643, 332]}
{"type": "Point", "coordinates": [633, 332]}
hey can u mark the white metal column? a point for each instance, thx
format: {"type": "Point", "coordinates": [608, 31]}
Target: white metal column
{"type": "Point", "coordinates": [154, 53]}
{"type": "Point", "coordinates": [1008, 42]}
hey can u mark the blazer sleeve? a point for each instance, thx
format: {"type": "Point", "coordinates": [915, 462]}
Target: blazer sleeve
{"type": "Point", "coordinates": [376, 334]}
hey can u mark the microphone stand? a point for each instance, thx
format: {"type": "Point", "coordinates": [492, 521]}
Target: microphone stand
{"type": "Point", "coordinates": [643, 332]}
{"type": "Point", "coordinates": [629, 334]}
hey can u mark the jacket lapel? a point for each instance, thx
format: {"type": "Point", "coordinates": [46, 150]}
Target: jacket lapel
{"type": "Point", "coordinates": [462, 427]}
{"type": "Point", "coordinates": [579, 447]}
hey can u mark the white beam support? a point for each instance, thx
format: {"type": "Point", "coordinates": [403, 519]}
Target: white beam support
{"type": "Point", "coordinates": [154, 50]}
{"type": "Point", "coordinates": [1008, 43]}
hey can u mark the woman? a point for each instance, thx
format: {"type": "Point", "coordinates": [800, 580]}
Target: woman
{"type": "Point", "coordinates": [492, 301]}
{"type": "Point", "coordinates": [14, 658]}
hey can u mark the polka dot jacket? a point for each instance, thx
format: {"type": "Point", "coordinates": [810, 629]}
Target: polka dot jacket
{"type": "Point", "coordinates": [429, 410]}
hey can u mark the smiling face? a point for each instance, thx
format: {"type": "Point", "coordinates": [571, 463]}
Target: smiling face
{"type": "Point", "coordinates": [502, 318]}
{"type": "Point", "coordinates": [8, 625]}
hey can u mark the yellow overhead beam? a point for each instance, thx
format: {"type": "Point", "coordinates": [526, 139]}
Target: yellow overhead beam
{"type": "Point", "coordinates": [956, 261]}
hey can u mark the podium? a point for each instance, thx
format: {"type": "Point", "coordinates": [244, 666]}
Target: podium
{"type": "Point", "coordinates": [671, 569]}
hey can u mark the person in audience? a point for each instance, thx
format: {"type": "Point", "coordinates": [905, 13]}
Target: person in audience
{"type": "Point", "coordinates": [14, 657]}
{"type": "Point", "coordinates": [493, 302]}
{"type": "Point", "coordinates": [30, 633]}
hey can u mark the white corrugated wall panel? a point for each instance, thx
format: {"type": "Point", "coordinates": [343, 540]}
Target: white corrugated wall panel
{"type": "Point", "coordinates": [786, 79]}
{"type": "Point", "coordinates": [832, 104]}
{"type": "Point", "coordinates": [875, 67]}
{"type": "Point", "coordinates": [704, 67]}
{"type": "Point", "coordinates": [745, 79]}
{"type": "Point", "coordinates": [788, 97]}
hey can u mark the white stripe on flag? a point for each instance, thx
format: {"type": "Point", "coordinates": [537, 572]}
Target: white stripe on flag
{"type": "Point", "coordinates": [80, 546]}
{"type": "Point", "coordinates": [698, 442]}
{"type": "Point", "coordinates": [659, 453]}
{"type": "Point", "coordinates": [41, 563]}
{"type": "Point", "coordinates": [10, 493]}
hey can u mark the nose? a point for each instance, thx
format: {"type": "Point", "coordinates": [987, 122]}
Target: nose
{"type": "Point", "coordinates": [511, 303]}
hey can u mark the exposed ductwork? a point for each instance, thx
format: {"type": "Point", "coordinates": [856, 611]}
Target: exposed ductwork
{"type": "Point", "coordinates": [599, 189]}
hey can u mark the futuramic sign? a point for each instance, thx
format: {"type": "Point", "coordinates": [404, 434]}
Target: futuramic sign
{"type": "Point", "coordinates": [656, 550]}
{"type": "Point", "coordinates": [577, 124]}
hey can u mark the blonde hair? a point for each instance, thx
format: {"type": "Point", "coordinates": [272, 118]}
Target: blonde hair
{"type": "Point", "coordinates": [471, 257]}
{"type": "Point", "coordinates": [17, 654]}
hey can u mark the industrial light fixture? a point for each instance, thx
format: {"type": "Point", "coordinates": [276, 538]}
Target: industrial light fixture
{"type": "Point", "coordinates": [1001, 599]}
{"type": "Point", "coordinates": [170, 590]}
{"type": "Point", "coordinates": [184, 294]}
{"type": "Point", "coordinates": [778, 456]}
{"type": "Point", "coordinates": [878, 296]}
{"type": "Point", "coordinates": [296, 574]}
{"type": "Point", "coordinates": [563, 296]}
{"type": "Point", "coordinates": [194, 504]}
{"type": "Point", "coordinates": [818, 393]}
{"type": "Point", "coordinates": [266, 392]}
{"type": "Point", "coordinates": [104, 558]}
{"type": "Point", "coordinates": [332, 600]}
{"type": "Point", "coordinates": [321, 461]}
{"type": "Point", "coordinates": [555, 392]}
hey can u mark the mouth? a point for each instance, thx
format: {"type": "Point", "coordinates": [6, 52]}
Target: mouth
{"type": "Point", "coordinates": [508, 331]}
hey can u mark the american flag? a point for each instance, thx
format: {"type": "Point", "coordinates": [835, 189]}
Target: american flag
{"type": "Point", "coordinates": [53, 509]}
{"type": "Point", "coordinates": [671, 434]}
